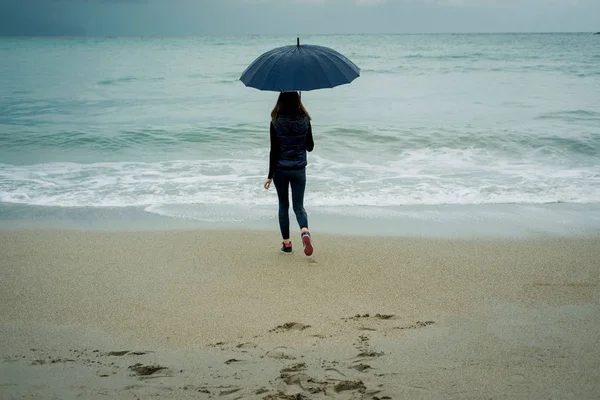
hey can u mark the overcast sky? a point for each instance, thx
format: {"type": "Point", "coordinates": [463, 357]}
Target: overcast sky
{"type": "Point", "coordinates": [235, 17]}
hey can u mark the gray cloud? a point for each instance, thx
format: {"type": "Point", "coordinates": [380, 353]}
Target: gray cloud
{"type": "Point", "coordinates": [234, 17]}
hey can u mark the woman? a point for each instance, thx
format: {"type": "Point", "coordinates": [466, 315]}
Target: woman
{"type": "Point", "coordinates": [291, 138]}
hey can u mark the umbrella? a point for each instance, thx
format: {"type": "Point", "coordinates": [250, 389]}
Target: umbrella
{"type": "Point", "coordinates": [299, 68]}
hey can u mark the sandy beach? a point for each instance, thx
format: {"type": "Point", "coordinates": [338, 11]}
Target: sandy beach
{"type": "Point", "coordinates": [203, 314]}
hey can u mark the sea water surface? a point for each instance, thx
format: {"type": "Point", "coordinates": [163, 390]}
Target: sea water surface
{"type": "Point", "coordinates": [441, 133]}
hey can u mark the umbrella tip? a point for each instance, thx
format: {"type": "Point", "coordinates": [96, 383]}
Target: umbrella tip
{"type": "Point", "coordinates": [297, 41]}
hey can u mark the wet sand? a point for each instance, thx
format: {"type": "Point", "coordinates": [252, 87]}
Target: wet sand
{"type": "Point", "coordinates": [201, 314]}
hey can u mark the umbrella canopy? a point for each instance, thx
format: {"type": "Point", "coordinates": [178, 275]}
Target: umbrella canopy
{"type": "Point", "coordinates": [299, 68]}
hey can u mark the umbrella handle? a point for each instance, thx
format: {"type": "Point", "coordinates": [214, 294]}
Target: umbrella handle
{"type": "Point", "coordinates": [298, 44]}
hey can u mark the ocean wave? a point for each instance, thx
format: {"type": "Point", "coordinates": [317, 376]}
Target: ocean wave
{"type": "Point", "coordinates": [476, 55]}
{"type": "Point", "coordinates": [385, 71]}
{"type": "Point", "coordinates": [506, 142]}
{"type": "Point", "coordinates": [586, 74]}
{"type": "Point", "coordinates": [140, 140]}
{"type": "Point", "coordinates": [572, 115]}
{"type": "Point", "coordinates": [479, 65]}
{"type": "Point", "coordinates": [456, 177]}
{"type": "Point", "coordinates": [128, 79]}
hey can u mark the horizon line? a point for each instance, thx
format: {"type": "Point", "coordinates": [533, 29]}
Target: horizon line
{"type": "Point", "coordinates": [305, 35]}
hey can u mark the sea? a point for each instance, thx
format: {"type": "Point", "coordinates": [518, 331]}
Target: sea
{"type": "Point", "coordinates": [441, 135]}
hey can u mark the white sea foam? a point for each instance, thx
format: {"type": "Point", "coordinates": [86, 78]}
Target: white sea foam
{"type": "Point", "coordinates": [224, 189]}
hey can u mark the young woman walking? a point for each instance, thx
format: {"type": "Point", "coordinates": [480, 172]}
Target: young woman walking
{"type": "Point", "coordinates": [291, 138]}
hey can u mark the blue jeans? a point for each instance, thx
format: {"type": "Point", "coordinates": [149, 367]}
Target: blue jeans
{"type": "Point", "coordinates": [283, 179]}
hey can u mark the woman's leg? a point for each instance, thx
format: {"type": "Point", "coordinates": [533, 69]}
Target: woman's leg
{"type": "Point", "coordinates": [281, 181]}
{"type": "Point", "coordinates": [298, 184]}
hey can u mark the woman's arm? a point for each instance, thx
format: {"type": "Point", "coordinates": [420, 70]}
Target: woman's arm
{"type": "Point", "coordinates": [310, 144]}
{"type": "Point", "coordinates": [274, 153]}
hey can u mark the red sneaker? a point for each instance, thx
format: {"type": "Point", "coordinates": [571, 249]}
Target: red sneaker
{"type": "Point", "coordinates": [308, 249]}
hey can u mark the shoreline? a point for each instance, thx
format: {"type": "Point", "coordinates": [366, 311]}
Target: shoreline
{"type": "Point", "coordinates": [225, 314]}
{"type": "Point", "coordinates": [440, 221]}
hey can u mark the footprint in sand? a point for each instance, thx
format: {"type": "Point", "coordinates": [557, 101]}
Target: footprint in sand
{"type": "Point", "coordinates": [304, 381]}
{"type": "Point", "coordinates": [349, 385]}
{"type": "Point", "coordinates": [247, 345]}
{"type": "Point", "coordinates": [290, 326]}
{"type": "Point", "coordinates": [296, 376]}
{"type": "Point", "coordinates": [279, 354]}
{"type": "Point", "coordinates": [376, 316]}
{"type": "Point", "coordinates": [233, 360]}
{"type": "Point", "coordinates": [299, 378]}
{"type": "Point", "coordinates": [370, 319]}
{"type": "Point", "coordinates": [366, 328]}
{"type": "Point", "coordinates": [229, 391]}
{"type": "Point", "coordinates": [121, 353]}
{"type": "Point", "coordinates": [294, 368]}
{"type": "Point", "coordinates": [416, 325]}
{"type": "Point", "coordinates": [361, 367]}
{"type": "Point", "coordinates": [199, 389]}
{"type": "Point", "coordinates": [363, 345]}
{"type": "Point", "coordinates": [370, 354]}
{"type": "Point", "coordinates": [118, 353]}
{"type": "Point", "coordinates": [145, 370]}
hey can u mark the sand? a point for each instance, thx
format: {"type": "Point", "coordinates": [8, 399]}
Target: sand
{"type": "Point", "coordinates": [201, 314]}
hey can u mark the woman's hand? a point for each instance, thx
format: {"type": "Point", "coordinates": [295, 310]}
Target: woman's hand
{"type": "Point", "coordinates": [267, 184]}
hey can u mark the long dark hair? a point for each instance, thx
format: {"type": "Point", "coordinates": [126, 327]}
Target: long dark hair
{"type": "Point", "coordinates": [289, 103]}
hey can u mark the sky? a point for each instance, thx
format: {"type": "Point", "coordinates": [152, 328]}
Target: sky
{"type": "Point", "coordinates": [294, 17]}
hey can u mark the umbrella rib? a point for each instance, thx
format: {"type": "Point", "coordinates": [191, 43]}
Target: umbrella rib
{"type": "Point", "coordinates": [269, 58]}
{"type": "Point", "coordinates": [256, 65]}
{"type": "Point", "coordinates": [323, 56]}
{"type": "Point", "coordinates": [322, 69]}
{"type": "Point", "coordinates": [343, 65]}
{"type": "Point", "coordinates": [275, 58]}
